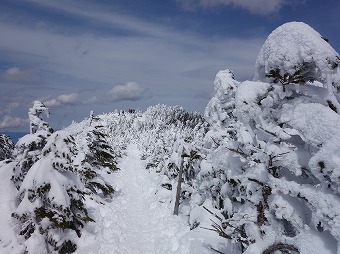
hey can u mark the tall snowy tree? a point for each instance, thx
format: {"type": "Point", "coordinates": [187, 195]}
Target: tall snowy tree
{"type": "Point", "coordinates": [267, 171]}
{"type": "Point", "coordinates": [51, 207]}
{"type": "Point", "coordinates": [36, 122]}
{"type": "Point", "coordinates": [54, 175]}
{"type": "Point", "coordinates": [6, 147]}
{"type": "Point", "coordinates": [97, 157]}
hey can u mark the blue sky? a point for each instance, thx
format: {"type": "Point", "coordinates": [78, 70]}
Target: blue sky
{"type": "Point", "coordinates": [82, 55]}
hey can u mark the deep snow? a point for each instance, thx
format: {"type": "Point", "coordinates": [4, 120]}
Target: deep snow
{"type": "Point", "coordinates": [135, 221]}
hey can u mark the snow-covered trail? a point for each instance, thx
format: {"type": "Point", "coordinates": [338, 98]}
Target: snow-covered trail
{"type": "Point", "coordinates": [135, 221]}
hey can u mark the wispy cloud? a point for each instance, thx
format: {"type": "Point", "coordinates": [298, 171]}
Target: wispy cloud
{"type": "Point", "coordinates": [17, 74]}
{"type": "Point", "coordinates": [261, 7]}
{"type": "Point", "coordinates": [8, 121]}
{"type": "Point", "coordinates": [129, 91]}
{"type": "Point", "coordinates": [63, 100]}
{"type": "Point", "coordinates": [11, 106]}
{"type": "Point", "coordinates": [79, 68]}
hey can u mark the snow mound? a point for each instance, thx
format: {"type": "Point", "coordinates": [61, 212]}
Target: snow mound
{"type": "Point", "coordinates": [296, 45]}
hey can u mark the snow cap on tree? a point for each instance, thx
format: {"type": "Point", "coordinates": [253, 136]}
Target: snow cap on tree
{"type": "Point", "coordinates": [296, 53]}
{"type": "Point", "coordinates": [36, 122]}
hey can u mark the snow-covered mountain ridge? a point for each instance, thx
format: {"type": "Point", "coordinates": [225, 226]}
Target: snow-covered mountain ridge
{"type": "Point", "coordinates": [260, 169]}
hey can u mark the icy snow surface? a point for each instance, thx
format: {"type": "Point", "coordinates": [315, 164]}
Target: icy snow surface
{"type": "Point", "coordinates": [135, 221]}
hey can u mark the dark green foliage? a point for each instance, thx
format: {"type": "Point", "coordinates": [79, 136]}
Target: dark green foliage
{"type": "Point", "coordinates": [28, 226]}
{"type": "Point", "coordinates": [332, 107]}
{"type": "Point", "coordinates": [100, 156]}
{"type": "Point", "coordinates": [68, 247]}
{"type": "Point", "coordinates": [6, 147]}
{"type": "Point", "coordinates": [48, 215]}
{"type": "Point", "coordinates": [334, 64]}
{"type": "Point", "coordinates": [29, 153]}
{"type": "Point", "coordinates": [325, 39]}
{"type": "Point", "coordinates": [105, 188]}
{"type": "Point", "coordinates": [306, 72]}
{"type": "Point", "coordinates": [101, 153]}
{"type": "Point", "coordinates": [167, 186]}
{"type": "Point", "coordinates": [322, 166]}
{"type": "Point", "coordinates": [286, 78]}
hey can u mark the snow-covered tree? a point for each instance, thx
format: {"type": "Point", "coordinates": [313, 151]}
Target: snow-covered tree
{"type": "Point", "coordinates": [270, 164]}
{"type": "Point", "coordinates": [295, 53]}
{"type": "Point", "coordinates": [50, 206]}
{"type": "Point", "coordinates": [54, 175]}
{"type": "Point", "coordinates": [6, 147]}
{"type": "Point", "coordinates": [97, 157]}
{"type": "Point", "coordinates": [36, 122]}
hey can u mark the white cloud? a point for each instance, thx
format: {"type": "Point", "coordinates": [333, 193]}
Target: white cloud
{"type": "Point", "coordinates": [174, 63]}
{"type": "Point", "coordinates": [91, 100]}
{"type": "Point", "coordinates": [129, 91]}
{"type": "Point", "coordinates": [262, 7]}
{"type": "Point", "coordinates": [63, 100]}
{"type": "Point", "coordinates": [17, 74]}
{"type": "Point", "coordinates": [12, 122]}
{"type": "Point", "coordinates": [11, 107]}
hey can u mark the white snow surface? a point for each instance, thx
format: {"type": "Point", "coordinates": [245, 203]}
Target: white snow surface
{"type": "Point", "coordinates": [8, 241]}
{"type": "Point", "coordinates": [135, 221]}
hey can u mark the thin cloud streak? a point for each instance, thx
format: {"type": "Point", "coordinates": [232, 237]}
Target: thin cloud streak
{"type": "Point", "coordinates": [259, 7]}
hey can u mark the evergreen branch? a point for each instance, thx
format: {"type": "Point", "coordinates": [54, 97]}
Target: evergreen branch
{"type": "Point", "coordinates": [218, 217]}
{"type": "Point", "coordinates": [216, 250]}
{"type": "Point", "coordinates": [280, 246]}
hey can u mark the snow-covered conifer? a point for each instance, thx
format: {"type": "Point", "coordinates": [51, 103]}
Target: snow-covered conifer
{"type": "Point", "coordinates": [295, 53]}
{"type": "Point", "coordinates": [98, 156]}
{"type": "Point", "coordinates": [270, 165]}
{"type": "Point", "coordinates": [50, 206]}
{"type": "Point", "coordinates": [36, 122]}
{"type": "Point", "coordinates": [6, 147]}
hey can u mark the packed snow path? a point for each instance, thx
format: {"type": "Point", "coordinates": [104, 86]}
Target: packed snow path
{"type": "Point", "coordinates": [135, 221]}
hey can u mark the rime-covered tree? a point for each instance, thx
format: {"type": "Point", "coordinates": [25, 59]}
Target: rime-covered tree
{"type": "Point", "coordinates": [270, 168]}
{"type": "Point", "coordinates": [6, 147]}
{"type": "Point", "coordinates": [53, 175]}
{"type": "Point", "coordinates": [98, 157]}
{"type": "Point", "coordinates": [28, 149]}
{"type": "Point", "coordinates": [50, 206]}
{"type": "Point", "coordinates": [36, 122]}
{"type": "Point", "coordinates": [295, 53]}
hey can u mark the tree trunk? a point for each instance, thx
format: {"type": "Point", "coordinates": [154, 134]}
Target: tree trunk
{"type": "Point", "coordinates": [178, 193]}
